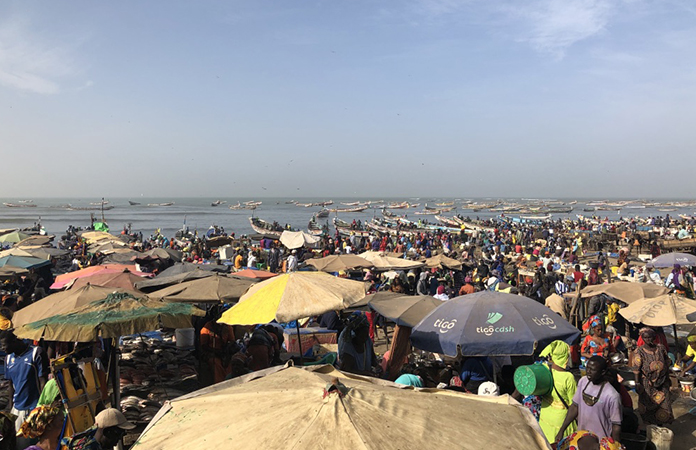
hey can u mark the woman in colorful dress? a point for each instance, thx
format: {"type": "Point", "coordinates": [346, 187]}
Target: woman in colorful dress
{"type": "Point", "coordinates": [651, 366]}
{"type": "Point", "coordinates": [596, 343]}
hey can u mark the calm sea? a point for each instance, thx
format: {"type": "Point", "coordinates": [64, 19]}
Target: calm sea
{"type": "Point", "coordinates": [199, 214]}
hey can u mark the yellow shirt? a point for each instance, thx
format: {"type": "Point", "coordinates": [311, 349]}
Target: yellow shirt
{"type": "Point", "coordinates": [690, 352]}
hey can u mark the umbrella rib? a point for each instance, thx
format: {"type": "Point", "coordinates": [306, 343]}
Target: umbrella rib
{"type": "Point", "coordinates": [308, 427]}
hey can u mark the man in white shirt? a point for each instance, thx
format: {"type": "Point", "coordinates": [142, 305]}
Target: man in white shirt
{"type": "Point", "coordinates": [292, 261]}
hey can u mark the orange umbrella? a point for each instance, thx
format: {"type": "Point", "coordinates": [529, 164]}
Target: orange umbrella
{"type": "Point", "coordinates": [109, 278]}
{"type": "Point", "coordinates": [62, 280]}
{"type": "Point", "coordinates": [258, 274]}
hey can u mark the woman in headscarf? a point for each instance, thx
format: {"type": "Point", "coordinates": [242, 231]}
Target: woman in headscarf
{"type": "Point", "coordinates": [675, 279]}
{"type": "Point", "coordinates": [554, 405]}
{"type": "Point", "coordinates": [596, 342]}
{"type": "Point", "coordinates": [586, 440]}
{"type": "Point", "coordinates": [44, 423]}
{"type": "Point", "coordinates": [651, 366]}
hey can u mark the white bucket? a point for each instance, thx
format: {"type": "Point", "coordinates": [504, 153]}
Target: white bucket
{"type": "Point", "coordinates": [185, 337]}
{"type": "Point", "coordinates": [660, 436]}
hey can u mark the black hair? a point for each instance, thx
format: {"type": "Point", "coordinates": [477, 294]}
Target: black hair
{"type": "Point", "coordinates": [601, 363]}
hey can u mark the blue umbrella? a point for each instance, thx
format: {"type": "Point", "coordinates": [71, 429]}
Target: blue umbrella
{"type": "Point", "coordinates": [670, 259]}
{"type": "Point", "coordinates": [491, 323]}
{"type": "Point", "coordinates": [24, 262]}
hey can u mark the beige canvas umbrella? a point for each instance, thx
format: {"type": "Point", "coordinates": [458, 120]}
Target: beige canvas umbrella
{"type": "Point", "coordinates": [123, 280]}
{"type": "Point", "coordinates": [215, 288]}
{"type": "Point", "coordinates": [62, 302]}
{"type": "Point", "coordinates": [118, 314]}
{"type": "Point", "coordinates": [443, 262]}
{"type": "Point", "coordinates": [335, 263]}
{"type": "Point", "coordinates": [625, 291]}
{"type": "Point", "coordinates": [404, 310]}
{"type": "Point", "coordinates": [668, 309]}
{"type": "Point", "coordinates": [293, 296]}
{"type": "Point", "coordinates": [322, 408]}
{"type": "Point", "coordinates": [95, 236]}
{"type": "Point", "coordinates": [9, 272]}
{"type": "Point", "coordinates": [383, 262]}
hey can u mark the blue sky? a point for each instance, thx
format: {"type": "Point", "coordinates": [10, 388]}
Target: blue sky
{"type": "Point", "coordinates": [551, 98]}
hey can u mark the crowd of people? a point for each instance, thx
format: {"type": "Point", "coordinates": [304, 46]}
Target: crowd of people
{"type": "Point", "coordinates": [588, 401]}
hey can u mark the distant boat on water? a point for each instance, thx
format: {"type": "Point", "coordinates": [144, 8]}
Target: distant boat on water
{"type": "Point", "coordinates": [132, 203]}
{"type": "Point", "coordinates": [161, 204]}
{"type": "Point", "coordinates": [20, 205]}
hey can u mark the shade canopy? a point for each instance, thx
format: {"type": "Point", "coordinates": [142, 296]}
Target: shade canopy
{"type": "Point", "coordinates": [381, 261]}
{"type": "Point", "coordinates": [625, 291]}
{"type": "Point", "coordinates": [63, 302]}
{"type": "Point", "coordinates": [95, 236]}
{"type": "Point", "coordinates": [322, 408]}
{"type": "Point", "coordinates": [108, 278]}
{"type": "Point", "coordinates": [118, 314]}
{"type": "Point", "coordinates": [160, 282]}
{"type": "Point", "coordinates": [297, 239]}
{"type": "Point", "coordinates": [443, 262]}
{"type": "Point", "coordinates": [336, 263]}
{"type": "Point", "coordinates": [13, 237]}
{"type": "Point", "coordinates": [668, 309]}
{"type": "Point", "coordinates": [9, 272]}
{"type": "Point", "coordinates": [256, 274]}
{"type": "Point", "coordinates": [63, 280]}
{"type": "Point", "coordinates": [158, 253]}
{"type": "Point", "coordinates": [23, 262]}
{"type": "Point", "coordinates": [293, 296]}
{"type": "Point", "coordinates": [210, 289]}
{"type": "Point", "coordinates": [404, 310]}
{"type": "Point", "coordinates": [183, 267]}
{"type": "Point", "coordinates": [670, 259]}
{"type": "Point", "coordinates": [491, 323]}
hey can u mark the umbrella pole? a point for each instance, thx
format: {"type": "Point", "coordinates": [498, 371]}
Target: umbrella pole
{"type": "Point", "coordinates": [676, 340]}
{"type": "Point", "coordinates": [299, 341]}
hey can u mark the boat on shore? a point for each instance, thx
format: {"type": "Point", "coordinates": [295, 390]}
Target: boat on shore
{"type": "Point", "coordinates": [346, 229]}
{"type": "Point", "coordinates": [323, 214]}
{"type": "Point", "coordinates": [267, 228]}
{"type": "Point", "coordinates": [349, 210]}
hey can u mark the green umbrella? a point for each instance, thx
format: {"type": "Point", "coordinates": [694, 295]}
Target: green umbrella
{"type": "Point", "coordinates": [23, 262]}
{"type": "Point", "coordinates": [13, 238]}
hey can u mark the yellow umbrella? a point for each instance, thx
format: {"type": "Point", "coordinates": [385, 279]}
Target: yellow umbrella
{"type": "Point", "coordinates": [293, 296]}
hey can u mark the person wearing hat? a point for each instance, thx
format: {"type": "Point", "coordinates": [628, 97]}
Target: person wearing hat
{"type": "Point", "coordinates": [109, 427]}
{"type": "Point", "coordinates": [292, 261]}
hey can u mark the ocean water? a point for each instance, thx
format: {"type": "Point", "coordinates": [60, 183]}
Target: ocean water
{"type": "Point", "coordinates": [198, 213]}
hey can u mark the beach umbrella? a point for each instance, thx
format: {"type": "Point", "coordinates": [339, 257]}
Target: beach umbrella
{"type": "Point", "coordinates": [110, 246]}
{"type": "Point", "coordinates": [183, 267]}
{"type": "Point", "coordinates": [625, 291]}
{"type": "Point", "coordinates": [36, 239]}
{"type": "Point", "coordinates": [443, 262]}
{"type": "Point", "coordinates": [118, 314]}
{"type": "Point", "coordinates": [670, 259]}
{"type": "Point", "coordinates": [255, 274]}
{"type": "Point", "coordinates": [63, 280]}
{"type": "Point", "coordinates": [95, 236]}
{"type": "Point", "coordinates": [62, 302]}
{"type": "Point", "coordinates": [668, 309]}
{"type": "Point", "coordinates": [381, 261]}
{"type": "Point", "coordinates": [404, 310]}
{"type": "Point", "coordinates": [160, 282]}
{"type": "Point", "coordinates": [215, 288]}
{"type": "Point", "coordinates": [15, 251]}
{"type": "Point", "coordinates": [23, 262]}
{"type": "Point", "coordinates": [293, 296]}
{"type": "Point", "coordinates": [9, 272]}
{"type": "Point", "coordinates": [322, 408]}
{"type": "Point", "coordinates": [164, 254]}
{"type": "Point", "coordinates": [297, 239]}
{"type": "Point", "coordinates": [491, 323]}
{"type": "Point", "coordinates": [13, 237]}
{"type": "Point", "coordinates": [123, 280]}
{"type": "Point", "coordinates": [336, 263]}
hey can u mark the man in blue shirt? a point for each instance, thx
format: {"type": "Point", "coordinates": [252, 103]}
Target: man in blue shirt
{"type": "Point", "coordinates": [25, 370]}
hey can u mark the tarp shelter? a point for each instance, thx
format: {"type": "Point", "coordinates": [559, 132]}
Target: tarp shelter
{"type": "Point", "coordinates": [292, 296]}
{"type": "Point", "coordinates": [625, 291]}
{"type": "Point", "coordinates": [443, 262]}
{"type": "Point", "coordinates": [23, 262]}
{"type": "Point", "coordinates": [336, 263]}
{"type": "Point", "coordinates": [297, 239]}
{"type": "Point", "coordinates": [380, 261]}
{"type": "Point", "coordinates": [322, 408]}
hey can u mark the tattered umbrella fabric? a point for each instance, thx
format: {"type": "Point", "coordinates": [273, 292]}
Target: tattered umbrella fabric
{"type": "Point", "coordinates": [625, 291]}
{"type": "Point", "coordinates": [116, 315]}
{"type": "Point", "coordinates": [669, 309]}
{"type": "Point", "coordinates": [491, 323]}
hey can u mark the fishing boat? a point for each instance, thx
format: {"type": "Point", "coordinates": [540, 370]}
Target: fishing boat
{"type": "Point", "coordinates": [217, 203]}
{"type": "Point", "coordinates": [323, 214]}
{"type": "Point", "coordinates": [263, 227]}
{"type": "Point", "coordinates": [161, 204]}
{"type": "Point", "coordinates": [314, 228]}
{"type": "Point", "coordinates": [445, 204]}
{"type": "Point", "coordinates": [667, 209]}
{"type": "Point", "coordinates": [447, 221]}
{"type": "Point", "coordinates": [349, 210]}
{"type": "Point", "coordinates": [17, 205]}
{"type": "Point", "coordinates": [350, 203]}
{"type": "Point", "coordinates": [344, 228]}
{"type": "Point", "coordinates": [132, 203]}
{"type": "Point", "coordinates": [103, 202]}
{"type": "Point", "coordinates": [253, 203]}
{"type": "Point", "coordinates": [89, 208]}
{"type": "Point", "coordinates": [397, 205]}
{"type": "Point", "coordinates": [540, 218]}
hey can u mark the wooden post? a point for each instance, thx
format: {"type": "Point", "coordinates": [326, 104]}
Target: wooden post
{"type": "Point", "coordinates": [299, 341]}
